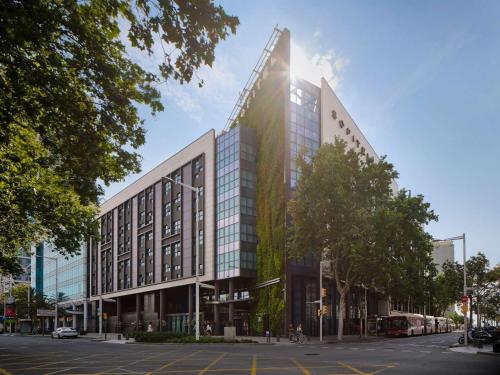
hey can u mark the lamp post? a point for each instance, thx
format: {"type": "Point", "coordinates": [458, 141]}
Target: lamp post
{"type": "Point", "coordinates": [197, 273]}
{"type": "Point", "coordinates": [462, 237]}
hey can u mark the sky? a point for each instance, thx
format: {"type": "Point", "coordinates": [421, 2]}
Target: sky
{"type": "Point", "coordinates": [420, 78]}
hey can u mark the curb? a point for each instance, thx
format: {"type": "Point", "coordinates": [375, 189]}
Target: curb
{"type": "Point", "coordinates": [490, 353]}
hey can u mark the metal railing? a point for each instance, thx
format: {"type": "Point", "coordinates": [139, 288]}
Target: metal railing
{"type": "Point", "coordinates": [261, 62]}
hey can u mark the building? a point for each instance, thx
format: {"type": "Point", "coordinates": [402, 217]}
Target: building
{"type": "Point", "coordinates": [53, 274]}
{"type": "Point", "coordinates": [142, 268]}
{"type": "Point", "coordinates": [444, 251]}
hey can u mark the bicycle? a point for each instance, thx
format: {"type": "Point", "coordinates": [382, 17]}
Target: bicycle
{"type": "Point", "coordinates": [297, 338]}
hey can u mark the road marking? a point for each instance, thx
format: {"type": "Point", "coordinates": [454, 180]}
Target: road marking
{"type": "Point", "coordinates": [254, 365]}
{"type": "Point", "coordinates": [371, 349]}
{"type": "Point", "coordinates": [345, 365]}
{"type": "Point", "coordinates": [168, 364]}
{"type": "Point", "coordinates": [212, 363]}
{"type": "Point", "coordinates": [4, 372]}
{"type": "Point", "coordinates": [58, 371]}
{"type": "Point", "coordinates": [425, 351]}
{"type": "Point", "coordinates": [299, 366]}
{"type": "Point", "coordinates": [407, 351]}
{"type": "Point", "coordinates": [354, 348]}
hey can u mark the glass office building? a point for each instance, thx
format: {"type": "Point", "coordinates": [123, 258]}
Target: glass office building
{"type": "Point", "coordinates": [235, 203]}
{"type": "Point", "coordinates": [71, 273]}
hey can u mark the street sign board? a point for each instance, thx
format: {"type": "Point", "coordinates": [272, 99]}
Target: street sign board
{"type": "Point", "coordinates": [465, 299]}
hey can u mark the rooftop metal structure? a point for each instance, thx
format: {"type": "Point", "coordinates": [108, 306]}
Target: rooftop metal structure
{"type": "Point", "coordinates": [261, 62]}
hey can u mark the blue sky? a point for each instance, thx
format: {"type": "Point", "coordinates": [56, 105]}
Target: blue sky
{"type": "Point", "coordinates": [420, 78]}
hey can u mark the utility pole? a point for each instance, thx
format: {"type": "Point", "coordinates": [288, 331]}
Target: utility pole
{"type": "Point", "coordinates": [321, 301]}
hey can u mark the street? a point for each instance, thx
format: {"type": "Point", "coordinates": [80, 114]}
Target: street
{"type": "Point", "coordinates": [417, 355]}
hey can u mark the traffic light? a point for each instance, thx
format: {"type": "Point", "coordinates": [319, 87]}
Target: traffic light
{"type": "Point", "coordinates": [323, 292]}
{"type": "Point", "coordinates": [325, 310]}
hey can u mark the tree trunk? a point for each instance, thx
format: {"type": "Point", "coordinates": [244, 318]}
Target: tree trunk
{"type": "Point", "coordinates": [343, 293]}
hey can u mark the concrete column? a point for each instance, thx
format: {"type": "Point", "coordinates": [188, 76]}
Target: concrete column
{"type": "Point", "coordinates": [216, 310]}
{"type": "Point", "coordinates": [85, 316]}
{"type": "Point", "coordinates": [162, 308]}
{"type": "Point", "coordinates": [231, 297]}
{"type": "Point", "coordinates": [118, 309]}
{"type": "Point", "coordinates": [190, 308]}
{"type": "Point", "coordinates": [137, 310]}
{"type": "Point", "coordinates": [74, 318]}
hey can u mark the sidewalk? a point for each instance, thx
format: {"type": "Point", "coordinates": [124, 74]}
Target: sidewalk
{"type": "Point", "coordinates": [469, 349]}
{"type": "Point", "coordinates": [312, 340]}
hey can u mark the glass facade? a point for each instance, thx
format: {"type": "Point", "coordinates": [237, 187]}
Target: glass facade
{"type": "Point", "coordinates": [304, 127]}
{"type": "Point", "coordinates": [235, 203]}
{"type": "Point", "coordinates": [71, 273]}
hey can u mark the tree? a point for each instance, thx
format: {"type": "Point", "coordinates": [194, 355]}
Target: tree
{"type": "Point", "coordinates": [338, 198]}
{"type": "Point", "coordinates": [406, 269]}
{"type": "Point", "coordinates": [457, 318]}
{"type": "Point", "coordinates": [68, 104]}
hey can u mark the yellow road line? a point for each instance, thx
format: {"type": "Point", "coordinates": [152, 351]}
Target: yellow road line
{"type": "Point", "coordinates": [4, 372]}
{"type": "Point", "coordinates": [212, 363]}
{"type": "Point", "coordinates": [253, 371]}
{"type": "Point", "coordinates": [168, 364]}
{"type": "Point", "coordinates": [359, 372]}
{"type": "Point", "coordinates": [299, 365]}
{"type": "Point", "coordinates": [58, 371]}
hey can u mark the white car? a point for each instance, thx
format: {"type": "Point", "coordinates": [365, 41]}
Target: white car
{"type": "Point", "coordinates": [63, 332]}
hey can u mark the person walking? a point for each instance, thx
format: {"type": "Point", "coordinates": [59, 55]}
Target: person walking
{"type": "Point", "coordinates": [150, 327]}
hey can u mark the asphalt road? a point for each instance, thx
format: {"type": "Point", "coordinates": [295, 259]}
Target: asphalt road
{"type": "Point", "coordinates": [416, 355]}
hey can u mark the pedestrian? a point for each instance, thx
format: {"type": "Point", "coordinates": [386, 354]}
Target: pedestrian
{"type": "Point", "coordinates": [209, 329]}
{"type": "Point", "coordinates": [299, 328]}
{"type": "Point", "coordinates": [150, 327]}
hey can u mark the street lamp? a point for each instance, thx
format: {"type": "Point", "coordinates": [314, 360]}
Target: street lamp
{"type": "Point", "coordinates": [197, 273]}
{"type": "Point", "coordinates": [462, 237]}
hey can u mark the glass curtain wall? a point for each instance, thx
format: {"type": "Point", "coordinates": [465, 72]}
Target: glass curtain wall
{"type": "Point", "coordinates": [304, 124]}
{"type": "Point", "coordinates": [235, 203]}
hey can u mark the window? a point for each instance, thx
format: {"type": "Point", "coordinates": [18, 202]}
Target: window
{"type": "Point", "coordinates": [166, 268]}
{"type": "Point", "coordinates": [167, 187]}
{"type": "Point", "coordinates": [177, 177]}
{"type": "Point", "coordinates": [177, 267]}
{"type": "Point", "coordinates": [357, 143]}
{"type": "Point", "coordinates": [362, 150]}
{"type": "Point", "coordinates": [166, 250]}
{"type": "Point", "coordinates": [166, 231]}
{"type": "Point", "coordinates": [348, 131]}
{"type": "Point", "coordinates": [341, 124]}
{"type": "Point", "coordinates": [177, 226]}
{"type": "Point", "coordinates": [200, 215]}
{"type": "Point", "coordinates": [149, 236]}
{"type": "Point", "coordinates": [177, 249]}
{"type": "Point", "coordinates": [166, 209]}
{"type": "Point", "coordinates": [334, 115]}
{"type": "Point", "coordinates": [200, 191]}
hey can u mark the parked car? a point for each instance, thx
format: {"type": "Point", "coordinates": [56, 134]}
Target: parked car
{"type": "Point", "coordinates": [63, 332]}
